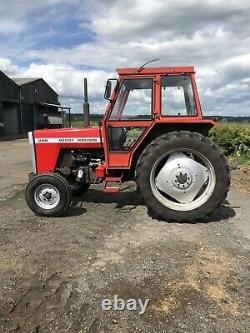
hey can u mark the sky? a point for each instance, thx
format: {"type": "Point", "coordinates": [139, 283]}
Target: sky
{"type": "Point", "coordinates": [65, 41]}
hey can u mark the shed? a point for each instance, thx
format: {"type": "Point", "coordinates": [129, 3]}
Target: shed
{"type": "Point", "coordinates": [27, 104]}
{"type": "Point", "coordinates": [9, 106]}
{"type": "Point", "coordinates": [38, 102]}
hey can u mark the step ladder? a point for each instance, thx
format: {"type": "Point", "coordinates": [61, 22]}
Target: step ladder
{"type": "Point", "coordinates": [112, 189]}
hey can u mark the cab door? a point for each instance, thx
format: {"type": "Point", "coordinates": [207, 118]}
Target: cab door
{"type": "Point", "coordinates": [129, 120]}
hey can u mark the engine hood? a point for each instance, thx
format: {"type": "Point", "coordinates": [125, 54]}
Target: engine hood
{"type": "Point", "coordinates": [90, 135]}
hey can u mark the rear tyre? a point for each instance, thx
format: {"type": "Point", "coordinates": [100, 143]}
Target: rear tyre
{"type": "Point", "coordinates": [78, 189]}
{"type": "Point", "coordinates": [182, 176]}
{"type": "Point", "coordinates": [48, 195]}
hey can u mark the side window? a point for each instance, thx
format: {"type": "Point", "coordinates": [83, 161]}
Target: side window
{"type": "Point", "coordinates": [134, 100]}
{"type": "Point", "coordinates": [177, 98]}
{"type": "Point", "coordinates": [124, 138]}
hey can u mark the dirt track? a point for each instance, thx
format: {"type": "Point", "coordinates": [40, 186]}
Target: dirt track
{"type": "Point", "coordinates": [55, 272]}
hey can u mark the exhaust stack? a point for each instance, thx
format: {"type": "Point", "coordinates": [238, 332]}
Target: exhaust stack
{"type": "Point", "coordinates": [86, 104]}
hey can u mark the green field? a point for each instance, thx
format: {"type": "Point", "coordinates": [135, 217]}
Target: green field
{"type": "Point", "coordinates": [78, 123]}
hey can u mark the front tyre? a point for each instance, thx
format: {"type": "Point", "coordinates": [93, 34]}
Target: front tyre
{"type": "Point", "coordinates": [182, 176]}
{"type": "Point", "coordinates": [48, 195]}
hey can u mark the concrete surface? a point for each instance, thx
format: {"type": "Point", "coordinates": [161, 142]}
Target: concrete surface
{"type": "Point", "coordinates": [54, 273]}
{"type": "Point", "coordinates": [14, 166]}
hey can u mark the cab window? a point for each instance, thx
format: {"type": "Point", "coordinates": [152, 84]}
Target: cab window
{"type": "Point", "coordinates": [134, 100]}
{"type": "Point", "coordinates": [177, 97]}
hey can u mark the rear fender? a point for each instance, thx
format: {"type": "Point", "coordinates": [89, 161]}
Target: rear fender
{"type": "Point", "coordinates": [159, 129]}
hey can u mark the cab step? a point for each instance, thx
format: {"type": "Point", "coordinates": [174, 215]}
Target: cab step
{"type": "Point", "coordinates": [112, 189]}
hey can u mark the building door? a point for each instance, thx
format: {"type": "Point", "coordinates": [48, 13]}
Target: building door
{"type": "Point", "coordinates": [27, 118]}
{"type": "Point", "coordinates": [1, 119]}
{"type": "Point", "coordinates": [10, 119]}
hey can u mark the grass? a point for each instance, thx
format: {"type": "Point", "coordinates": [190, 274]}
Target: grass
{"type": "Point", "coordinates": [240, 160]}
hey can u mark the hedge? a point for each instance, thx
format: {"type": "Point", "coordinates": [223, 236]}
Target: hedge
{"type": "Point", "coordinates": [234, 139]}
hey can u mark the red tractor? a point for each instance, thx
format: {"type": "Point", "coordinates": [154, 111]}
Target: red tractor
{"type": "Point", "coordinates": [152, 132]}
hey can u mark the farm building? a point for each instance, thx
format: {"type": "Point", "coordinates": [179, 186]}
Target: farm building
{"type": "Point", "coordinates": [27, 104]}
{"type": "Point", "coordinates": [10, 118]}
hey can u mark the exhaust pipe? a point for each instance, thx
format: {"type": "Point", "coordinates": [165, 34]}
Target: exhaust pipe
{"type": "Point", "coordinates": [86, 104]}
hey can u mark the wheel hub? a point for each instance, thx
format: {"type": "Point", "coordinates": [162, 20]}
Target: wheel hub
{"type": "Point", "coordinates": [181, 178]}
{"type": "Point", "coordinates": [47, 196]}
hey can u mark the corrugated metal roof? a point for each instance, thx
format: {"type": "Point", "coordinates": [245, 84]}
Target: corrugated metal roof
{"type": "Point", "coordinates": [22, 80]}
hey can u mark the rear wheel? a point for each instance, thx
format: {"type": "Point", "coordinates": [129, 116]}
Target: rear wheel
{"type": "Point", "coordinates": [48, 195]}
{"type": "Point", "coordinates": [182, 176]}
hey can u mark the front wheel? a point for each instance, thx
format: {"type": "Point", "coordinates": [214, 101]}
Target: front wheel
{"type": "Point", "coordinates": [182, 176]}
{"type": "Point", "coordinates": [48, 195]}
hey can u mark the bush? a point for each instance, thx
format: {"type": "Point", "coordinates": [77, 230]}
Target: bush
{"type": "Point", "coordinates": [233, 139]}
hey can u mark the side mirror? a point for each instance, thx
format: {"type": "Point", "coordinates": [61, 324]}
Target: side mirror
{"type": "Point", "coordinates": [108, 88]}
{"type": "Point", "coordinates": [112, 84]}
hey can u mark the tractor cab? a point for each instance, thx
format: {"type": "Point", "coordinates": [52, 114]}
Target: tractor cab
{"type": "Point", "coordinates": [144, 101]}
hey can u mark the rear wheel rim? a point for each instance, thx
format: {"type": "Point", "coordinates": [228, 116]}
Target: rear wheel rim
{"type": "Point", "coordinates": [47, 196]}
{"type": "Point", "coordinates": [182, 179]}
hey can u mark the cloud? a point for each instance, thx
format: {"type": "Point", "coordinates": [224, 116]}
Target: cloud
{"type": "Point", "coordinates": [139, 19]}
{"type": "Point", "coordinates": [14, 15]}
{"type": "Point", "coordinates": [10, 26]}
{"type": "Point", "coordinates": [66, 81]}
{"type": "Point", "coordinates": [92, 38]}
{"type": "Point", "coordinates": [8, 67]}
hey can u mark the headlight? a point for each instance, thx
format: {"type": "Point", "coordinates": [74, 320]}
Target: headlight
{"type": "Point", "coordinates": [33, 156]}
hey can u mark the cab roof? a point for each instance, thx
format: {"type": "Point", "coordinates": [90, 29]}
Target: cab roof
{"type": "Point", "coordinates": [154, 70]}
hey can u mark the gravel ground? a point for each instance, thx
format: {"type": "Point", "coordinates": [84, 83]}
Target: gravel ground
{"type": "Point", "coordinates": [54, 273]}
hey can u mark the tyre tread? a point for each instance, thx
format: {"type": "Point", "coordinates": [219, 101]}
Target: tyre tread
{"type": "Point", "coordinates": [155, 144]}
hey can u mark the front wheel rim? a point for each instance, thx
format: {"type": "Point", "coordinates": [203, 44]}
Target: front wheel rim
{"type": "Point", "coordinates": [47, 196]}
{"type": "Point", "coordinates": [182, 179]}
